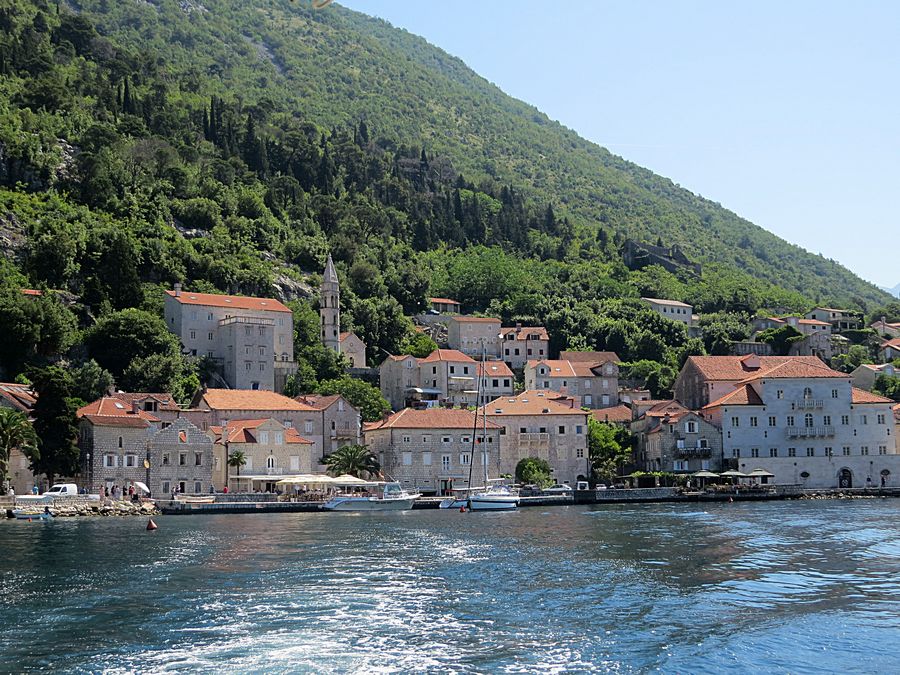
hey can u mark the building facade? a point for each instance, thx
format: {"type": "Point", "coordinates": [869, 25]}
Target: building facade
{"type": "Point", "coordinates": [672, 310]}
{"type": "Point", "coordinates": [683, 442]}
{"type": "Point", "coordinates": [545, 425]}
{"type": "Point", "coordinates": [19, 397]}
{"type": "Point", "coordinates": [354, 349]}
{"type": "Point", "coordinates": [341, 422]}
{"type": "Point", "coordinates": [431, 451]}
{"type": "Point", "coordinates": [181, 456]}
{"type": "Point", "coordinates": [251, 340]}
{"type": "Point", "coordinates": [520, 344]}
{"type": "Point", "coordinates": [471, 334]}
{"type": "Point", "coordinates": [593, 384]}
{"type": "Point", "coordinates": [840, 319]}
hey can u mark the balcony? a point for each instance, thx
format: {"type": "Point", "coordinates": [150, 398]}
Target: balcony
{"type": "Point", "coordinates": [809, 404]}
{"type": "Point", "coordinates": [809, 432]}
{"type": "Point", "coordinates": [534, 440]}
{"type": "Point", "coordinates": [692, 452]}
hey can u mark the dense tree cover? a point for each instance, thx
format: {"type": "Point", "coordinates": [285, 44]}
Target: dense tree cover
{"type": "Point", "coordinates": [55, 424]}
{"type": "Point", "coordinates": [780, 339]}
{"type": "Point", "coordinates": [887, 385]}
{"type": "Point", "coordinates": [355, 460]}
{"type": "Point", "coordinates": [361, 395]}
{"type": "Point", "coordinates": [534, 471]}
{"type": "Point", "coordinates": [16, 432]}
{"type": "Point", "coordinates": [609, 449]}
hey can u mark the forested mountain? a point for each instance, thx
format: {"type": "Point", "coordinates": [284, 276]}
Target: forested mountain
{"type": "Point", "coordinates": [231, 145]}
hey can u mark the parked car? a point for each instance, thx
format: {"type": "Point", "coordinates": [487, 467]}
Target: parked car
{"type": "Point", "coordinates": [63, 489]}
{"type": "Point", "coordinates": [559, 489]}
{"type": "Point", "coordinates": [530, 491]}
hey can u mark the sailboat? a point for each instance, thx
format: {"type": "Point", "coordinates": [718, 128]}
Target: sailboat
{"type": "Point", "coordinates": [492, 496]}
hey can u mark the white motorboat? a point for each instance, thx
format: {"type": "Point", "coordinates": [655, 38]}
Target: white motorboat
{"type": "Point", "coordinates": [393, 498]}
{"type": "Point", "coordinates": [494, 498]}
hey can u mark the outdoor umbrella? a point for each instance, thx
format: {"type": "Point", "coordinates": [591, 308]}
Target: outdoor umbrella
{"type": "Point", "coordinates": [140, 486]}
{"type": "Point", "coordinates": [733, 474]}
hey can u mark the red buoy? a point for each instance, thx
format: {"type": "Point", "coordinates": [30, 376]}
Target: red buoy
{"type": "Point", "coordinates": [462, 509]}
{"type": "Point", "coordinates": [151, 525]}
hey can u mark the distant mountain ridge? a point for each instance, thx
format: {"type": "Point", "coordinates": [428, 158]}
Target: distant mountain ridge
{"type": "Point", "coordinates": [336, 66]}
{"type": "Point", "coordinates": [895, 291]}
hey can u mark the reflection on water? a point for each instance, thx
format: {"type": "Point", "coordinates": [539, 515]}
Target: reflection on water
{"type": "Point", "coordinates": [743, 587]}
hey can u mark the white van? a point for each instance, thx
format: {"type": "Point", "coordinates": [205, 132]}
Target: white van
{"type": "Point", "coordinates": [63, 490]}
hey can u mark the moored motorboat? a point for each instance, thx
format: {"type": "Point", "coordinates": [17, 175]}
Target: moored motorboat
{"type": "Point", "coordinates": [195, 499]}
{"type": "Point", "coordinates": [28, 514]}
{"type": "Point", "coordinates": [392, 498]}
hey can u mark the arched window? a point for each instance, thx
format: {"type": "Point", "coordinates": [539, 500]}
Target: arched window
{"type": "Point", "coordinates": [807, 393]}
{"type": "Point", "coordinates": [270, 462]}
{"type": "Point", "coordinates": [808, 420]}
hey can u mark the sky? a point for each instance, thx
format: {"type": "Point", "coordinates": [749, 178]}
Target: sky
{"type": "Point", "coordinates": [787, 113]}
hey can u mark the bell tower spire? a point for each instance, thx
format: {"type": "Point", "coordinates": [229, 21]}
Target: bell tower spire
{"type": "Point", "coordinates": [330, 307]}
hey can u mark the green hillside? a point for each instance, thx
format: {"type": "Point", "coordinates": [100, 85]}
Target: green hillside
{"type": "Point", "coordinates": [231, 146]}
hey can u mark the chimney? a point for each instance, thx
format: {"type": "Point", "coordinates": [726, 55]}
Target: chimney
{"type": "Point", "coordinates": [518, 326]}
{"type": "Point", "coordinates": [134, 407]}
{"type": "Point", "coordinates": [177, 289]}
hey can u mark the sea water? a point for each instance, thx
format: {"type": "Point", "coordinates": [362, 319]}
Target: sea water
{"type": "Point", "coordinates": [806, 586]}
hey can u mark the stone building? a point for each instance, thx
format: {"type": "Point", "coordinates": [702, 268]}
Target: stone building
{"type": "Point", "coordinates": [808, 425]}
{"type": "Point", "coordinates": [706, 378]}
{"type": "Point", "coordinates": [181, 455]}
{"type": "Point", "coordinates": [542, 424]}
{"type": "Point", "coordinates": [354, 349]}
{"type": "Point", "coordinates": [430, 451]}
{"type": "Point", "coordinates": [121, 443]}
{"type": "Point", "coordinates": [594, 384]}
{"type": "Point", "coordinates": [864, 376]}
{"type": "Point", "coordinates": [251, 340]}
{"type": "Point", "coordinates": [444, 305]}
{"type": "Point", "coordinates": [680, 442]}
{"type": "Point", "coordinates": [226, 405]}
{"type": "Point", "coordinates": [521, 344]}
{"type": "Point", "coordinates": [270, 449]}
{"type": "Point", "coordinates": [19, 397]}
{"type": "Point", "coordinates": [165, 407]}
{"type": "Point", "coordinates": [341, 422]}
{"type": "Point", "coordinates": [346, 343]}
{"type": "Point", "coordinates": [840, 319]}
{"type": "Point", "coordinates": [472, 334]}
{"type": "Point", "coordinates": [672, 310]}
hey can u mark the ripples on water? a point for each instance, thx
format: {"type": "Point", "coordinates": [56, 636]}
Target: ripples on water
{"type": "Point", "coordinates": [785, 587]}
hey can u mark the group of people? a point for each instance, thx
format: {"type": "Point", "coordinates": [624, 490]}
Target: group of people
{"type": "Point", "coordinates": [117, 493]}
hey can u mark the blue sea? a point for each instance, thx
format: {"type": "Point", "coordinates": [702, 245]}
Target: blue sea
{"type": "Point", "coordinates": [793, 587]}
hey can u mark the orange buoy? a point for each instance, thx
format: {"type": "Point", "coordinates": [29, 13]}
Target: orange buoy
{"type": "Point", "coordinates": [462, 509]}
{"type": "Point", "coordinates": [151, 525]}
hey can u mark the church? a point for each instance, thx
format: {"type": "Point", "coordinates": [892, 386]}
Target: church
{"type": "Point", "coordinates": [347, 343]}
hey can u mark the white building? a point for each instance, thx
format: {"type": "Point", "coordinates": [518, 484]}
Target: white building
{"type": "Point", "coordinates": [672, 309]}
{"type": "Point", "coordinates": [250, 339]}
{"type": "Point", "coordinates": [809, 426]}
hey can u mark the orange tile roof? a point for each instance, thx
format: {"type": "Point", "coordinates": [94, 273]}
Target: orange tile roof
{"type": "Point", "coordinates": [110, 406]}
{"type": "Point", "coordinates": [244, 431]}
{"type": "Point", "coordinates": [523, 332]}
{"type": "Point", "coordinates": [31, 291]}
{"type": "Point", "coordinates": [795, 369]}
{"type": "Point", "coordinates": [595, 357]}
{"type": "Point", "coordinates": [737, 368]}
{"type": "Point", "coordinates": [474, 319]}
{"type": "Point", "coordinates": [494, 369]}
{"type": "Point", "coordinates": [744, 395]}
{"type": "Point", "coordinates": [532, 402]}
{"type": "Point", "coordinates": [250, 399]}
{"type": "Point", "coordinates": [863, 396]}
{"type": "Point", "coordinates": [432, 418]}
{"type": "Point", "coordinates": [561, 368]}
{"type": "Point", "coordinates": [616, 414]}
{"type": "Point", "coordinates": [446, 355]}
{"type": "Point", "coordinates": [320, 402]}
{"type": "Point", "coordinates": [663, 408]}
{"type": "Point", "coordinates": [894, 344]}
{"type": "Point", "coordinates": [233, 301]}
{"type": "Point", "coordinates": [166, 401]}
{"type": "Point", "coordinates": [443, 301]}
{"type": "Point", "coordinates": [813, 322]}
{"type": "Point", "coordinates": [670, 303]}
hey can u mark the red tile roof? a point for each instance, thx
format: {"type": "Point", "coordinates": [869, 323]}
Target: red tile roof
{"type": "Point", "coordinates": [494, 369]}
{"type": "Point", "coordinates": [813, 322]}
{"type": "Point", "coordinates": [20, 396]}
{"type": "Point", "coordinates": [443, 301]}
{"type": "Point", "coordinates": [663, 408]}
{"type": "Point", "coordinates": [524, 332]}
{"type": "Point", "coordinates": [737, 368]}
{"type": "Point", "coordinates": [246, 431]}
{"type": "Point", "coordinates": [594, 357]}
{"type": "Point", "coordinates": [110, 406]}
{"type": "Point", "coordinates": [561, 368]}
{"type": "Point", "coordinates": [446, 355]}
{"type": "Point", "coordinates": [533, 402]}
{"type": "Point", "coordinates": [250, 399]}
{"type": "Point", "coordinates": [863, 396]}
{"type": "Point", "coordinates": [233, 301]}
{"type": "Point", "coordinates": [614, 415]}
{"type": "Point", "coordinates": [165, 401]}
{"type": "Point", "coordinates": [320, 402]}
{"type": "Point", "coordinates": [895, 344]}
{"type": "Point", "coordinates": [432, 418]}
{"type": "Point", "coordinates": [744, 395]}
{"type": "Point", "coordinates": [670, 303]}
{"type": "Point", "coordinates": [796, 369]}
{"type": "Point", "coordinates": [31, 291]}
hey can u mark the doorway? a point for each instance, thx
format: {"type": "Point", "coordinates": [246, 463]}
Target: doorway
{"type": "Point", "coordinates": [845, 478]}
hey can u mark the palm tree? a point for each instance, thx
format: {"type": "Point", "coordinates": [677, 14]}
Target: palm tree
{"type": "Point", "coordinates": [355, 460]}
{"type": "Point", "coordinates": [236, 459]}
{"type": "Point", "coordinates": [15, 432]}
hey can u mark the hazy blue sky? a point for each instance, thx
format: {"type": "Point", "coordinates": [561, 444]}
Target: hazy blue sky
{"type": "Point", "coordinates": [785, 112]}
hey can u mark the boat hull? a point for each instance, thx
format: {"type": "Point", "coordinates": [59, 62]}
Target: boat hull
{"type": "Point", "coordinates": [493, 503]}
{"type": "Point", "coordinates": [370, 504]}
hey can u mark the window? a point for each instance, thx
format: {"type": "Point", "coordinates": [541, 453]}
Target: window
{"type": "Point", "coordinates": [262, 351]}
{"type": "Point", "coordinates": [736, 452]}
{"type": "Point", "coordinates": [453, 370]}
{"type": "Point", "coordinates": [262, 330]}
{"type": "Point", "coordinates": [807, 393]}
{"type": "Point", "coordinates": [880, 419]}
{"type": "Point", "coordinates": [464, 458]}
{"type": "Point", "coordinates": [826, 420]}
{"type": "Point", "coordinates": [247, 365]}
{"type": "Point", "coordinates": [845, 420]}
{"type": "Point", "coordinates": [130, 460]}
{"type": "Point", "coordinates": [829, 452]}
{"type": "Point", "coordinates": [445, 462]}
{"type": "Point", "coordinates": [882, 449]}
{"type": "Point", "coordinates": [561, 430]}
{"type": "Point", "coordinates": [790, 420]}
{"type": "Point", "coordinates": [846, 451]}
{"type": "Point", "coordinates": [426, 458]}
{"type": "Point", "coordinates": [407, 439]}
{"type": "Point", "coordinates": [808, 420]}
{"type": "Point", "coordinates": [703, 444]}
{"type": "Point", "coordinates": [579, 453]}
{"type": "Point", "coordinates": [735, 422]}
{"type": "Point", "coordinates": [690, 427]}
{"type": "Point", "coordinates": [198, 459]}
{"type": "Point", "coordinates": [120, 441]}
{"type": "Point", "coordinates": [165, 487]}
{"type": "Point", "coordinates": [446, 439]}
{"type": "Point", "coordinates": [209, 316]}
{"type": "Point", "coordinates": [773, 452]}
{"type": "Point", "coordinates": [779, 393]}
{"type": "Point", "coordinates": [198, 487]}
{"type": "Point", "coordinates": [864, 419]}
{"type": "Point", "coordinates": [810, 452]}
{"type": "Point", "coordinates": [753, 421]}
{"type": "Point", "coordinates": [579, 429]}
{"type": "Point", "coordinates": [465, 440]}
{"type": "Point", "coordinates": [864, 450]}
{"type": "Point", "coordinates": [772, 420]}
{"type": "Point", "coordinates": [792, 452]}
{"type": "Point", "coordinates": [182, 459]}
{"type": "Point", "coordinates": [109, 461]}
{"type": "Point", "coordinates": [307, 427]}
{"type": "Point", "coordinates": [754, 452]}
{"type": "Point", "coordinates": [279, 437]}
{"type": "Point", "coordinates": [209, 336]}
{"type": "Point", "coordinates": [264, 437]}
{"type": "Point", "coordinates": [262, 366]}
{"type": "Point", "coordinates": [193, 335]}
{"type": "Point", "coordinates": [407, 459]}
{"type": "Point", "coordinates": [426, 438]}
{"type": "Point", "coordinates": [834, 393]}
{"type": "Point", "coordinates": [165, 459]}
